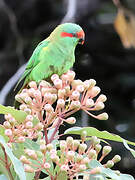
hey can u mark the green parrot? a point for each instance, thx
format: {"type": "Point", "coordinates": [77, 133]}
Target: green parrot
{"type": "Point", "coordinates": [54, 55]}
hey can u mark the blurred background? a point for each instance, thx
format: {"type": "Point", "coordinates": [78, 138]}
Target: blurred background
{"type": "Point", "coordinates": [108, 55]}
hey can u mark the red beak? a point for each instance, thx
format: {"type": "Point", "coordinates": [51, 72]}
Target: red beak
{"type": "Point", "coordinates": [81, 36]}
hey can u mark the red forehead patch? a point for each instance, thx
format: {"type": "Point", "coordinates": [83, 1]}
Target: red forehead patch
{"type": "Point", "coordinates": [65, 34]}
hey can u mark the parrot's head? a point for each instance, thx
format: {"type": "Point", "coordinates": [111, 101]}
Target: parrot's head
{"type": "Point", "coordinates": [69, 32]}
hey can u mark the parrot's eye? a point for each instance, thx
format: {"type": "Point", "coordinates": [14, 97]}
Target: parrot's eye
{"type": "Point", "coordinates": [74, 34]}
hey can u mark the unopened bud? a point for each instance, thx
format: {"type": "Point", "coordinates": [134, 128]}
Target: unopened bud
{"type": "Point", "coordinates": [92, 154]}
{"type": "Point", "coordinates": [69, 141]}
{"type": "Point", "coordinates": [18, 98]}
{"type": "Point", "coordinates": [39, 126]}
{"type": "Point", "coordinates": [71, 75]}
{"type": "Point", "coordinates": [70, 155]}
{"type": "Point", "coordinates": [79, 158]}
{"type": "Point", "coordinates": [58, 83]}
{"type": "Point", "coordinates": [86, 160]}
{"type": "Point", "coordinates": [7, 125]}
{"type": "Point", "coordinates": [63, 145]}
{"type": "Point", "coordinates": [28, 169]}
{"type": "Point", "coordinates": [95, 140]}
{"type": "Point", "coordinates": [77, 82]}
{"type": "Point", "coordinates": [22, 107]}
{"type": "Point", "coordinates": [71, 120]}
{"type": "Point", "coordinates": [49, 147]}
{"type": "Point", "coordinates": [47, 166]}
{"type": "Point", "coordinates": [102, 116]}
{"type": "Point", "coordinates": [67, 89]}
{"type": "Point", "coordinates": [60, 103]}
{"type": "Point", "coordinates": [31, 153]}
{"type": "Point", "coordinates": [33, 84]}
{"type": "Point", "coordinates": [89, 103]}
{"type": "Point", "coordinates": [48, 108]}
{"type": "Point", "coordinates": [29, 125]}
{"type": "Point", "coordinates": [76, 144]}
{"type": "Point", "coordinates": [102, 98]}
{"type": "Point", "coordinates": [80, 88]}
{"type": "Point", "coordinates": [99, 106]}
{"type": "Point", "coordinates": [61, 93]}
{"type": "Point", "coordinates": [27, 110]}
{"type": "Point", "coordinates": [23, 96]}
{"type": "Point", "coordinates": [28, 100]}
{"type": "Point", "coordinates": [29, 118]}
{"type": "Point", "coordinates": [106, 150]}
{"type": "Point", "coordinates": [109, 164]}
{"type": "Point", "coordinates": [7, 116]}
{"type": "Point", "coordinates": [8, 132]}
{"type": "Point", "coordinates": [82, 148]}
{"type": "Point", "coordinates": [43, 148]}
{"type": "Point", "coordinates": [75, 105]}
{"type": "Point", "coordinates": [24, 160]}
{"type": "Point", "coordinates": [116, 158]}
{"type": "Point", "coordinates": [98, 148]}
{"type": "Point", "coordinates": [75, 95]}
{"type": "Point", "coordinates": [21, 139]}
{"type": "Point", "coordinates": [94, 91]}
{"type": "Point", "coordinates": [64, 167]}
{"type": "Point", "coordinates": [83, 135]}
{"type": "Point", "coordinates": [54, 158]}
{"type": "Point", "coordinates": [54, 77]}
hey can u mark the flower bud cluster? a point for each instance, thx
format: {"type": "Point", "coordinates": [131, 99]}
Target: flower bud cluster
{"type": "Point", "coordinates": [61, 98]}
{"type": "Point", "coordinates": [18, 132]}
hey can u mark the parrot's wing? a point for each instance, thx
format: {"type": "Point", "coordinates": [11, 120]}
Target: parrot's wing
{"type": "Point", "coordinates": [33, 61]}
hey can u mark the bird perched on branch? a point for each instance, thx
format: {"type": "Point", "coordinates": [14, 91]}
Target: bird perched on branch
{"type": "Point", "coordinates": [54, 55]}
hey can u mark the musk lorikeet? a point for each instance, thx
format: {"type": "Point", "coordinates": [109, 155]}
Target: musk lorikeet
{"type": "Point", "coordinates": [54, 55]}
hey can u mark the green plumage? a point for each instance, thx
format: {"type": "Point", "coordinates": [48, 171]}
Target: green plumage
{"type": "Point", "coordinates": [54, 55]}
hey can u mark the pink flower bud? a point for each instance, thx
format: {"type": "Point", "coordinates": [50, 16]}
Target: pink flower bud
{"type": "Point", "coordinates": [69, 141]}
{"type": "Point", "coordinates": [54, 158]}
{"type": "Point", "coordinates": [22, 107]}
{"type": "Point", "coordinates": [6, 124]}
{"type": "Point", "coordinates": [49, 147]}
{"type": "Point", "coordinates": [89, 103]}
{"type": "Point", "coordinates": [21, 139]}
{"type": "Point", "coordinates": [94, 91]}
{"type": "Point", "coordinates": [48, 108]}
{"type": "Point", "coordinates": [29, 118]}
{"type": "Point", "coordinates": [12, 121]}
{"type": "Point", "coordinates": [24, 160]}
{"type": "Point", "coordinates": [67, 89]}
{"type": "Point", "coordinates": [99, 105]}
{"type": "Point", "coordinates": [58, 83]}
{"type": "Point", "coordinates": [31, 92]}
{"type": "Point", "coordinates": [64, 77]}
{"type": "Point", "coordinates": [63, 145]}
{"type": "Point", "coordinates": [75, 83]}
{"type": "Point", "coordinates": [61, 93]}
{"type": "Point", "coordinates": [76, 144]}
{"type": "Point", "coordinates": [60, 103]}
{"type": "Point", "coordinates": [18, 98]}
{"type": "Point", "coordinates": [47, 166]}
{"type": "Point", "coordinates": [54, 77]}
{"type": "Point", "coordinates": [8, 132]}
{"type": "Point", "coordinates": [75, 105]}
{"type": "Point", "coordinates": [48, 96]}
{"type": "Point", "coordinates": [71, 75]}
{"type": "Point", "coordinates": [80, 88]}
{"type": "Point", "coordinates": [28, 169]}
{"type": "Point", "coordinates": [64, 167]}
{"type": "Point", "coordinates": [102, 98]}
{"type": "Point", "coordinates": [32, 154]}
{"type": "Point", "coordinates": [79, 158]}
{"type": "Point", "coordinates": [70, 155]}
{"type": "Point", "coordinates": [27, 110]}
{"type": "Point", "coordinates": [82, 148]}
{"type": "Point", "coordinates": [86, 160]}
{"type": "Point", "coordinates": [43, 148]}
{"type": "Point", "coordinates": [29, 125]}
{"type": "Point", "coordinates": [23, 95]}
{"type": "Point", "coordinates": [7, 116]}
{"type": "Point", "coordinates": [75, 95]}
{"type": "Point", "coordinates": [102, 116]}
{"type": "Point", "coordinates": [53, 151]}
{"type": "Point", "coordinates": [39, 126]}
{"type": "Point", "coordinates": [33, 84]}
{"type": "Point", "coordinates": [44, 84]}
{"type": "Point", "coordinates": [37, 94]}
{"type": "Point", "coordinates": [54, 98]}
{"type": "Point", "coordinates": [71, 120]}
{"type": "Point", "coordinates": [28, 100]}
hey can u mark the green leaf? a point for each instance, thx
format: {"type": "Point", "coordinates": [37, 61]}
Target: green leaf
{"type": "Point", "coordinates": [18, 167]}
{"type": "Point", "coordinates": [31, 145]}
{"type": "Point", "coordinates": [62, 176]}
{"type": "Point", "coordinates": [130, 149]}
{"type": "Point", "coordinates": [2, 133]}
{"type": "Point", "coordinates": [91, 131]}
{"type": "Point", "coordinates": [30, 176]}
{"type": "Point", "coordinates": [126, 177]}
